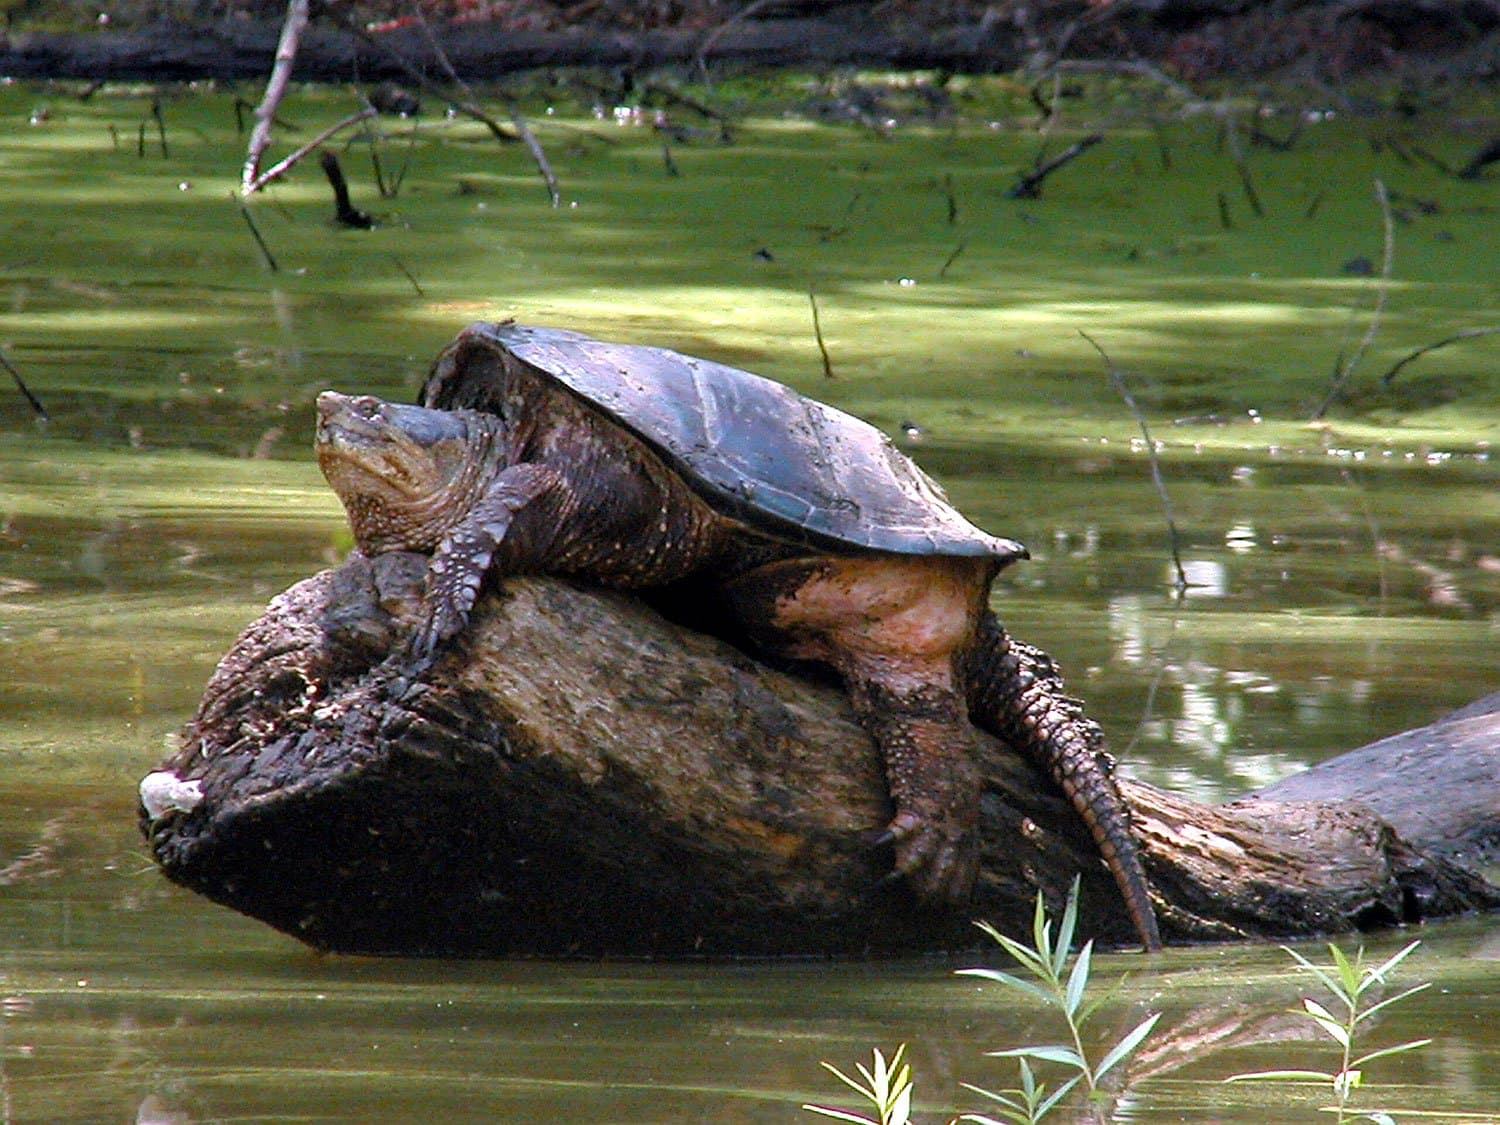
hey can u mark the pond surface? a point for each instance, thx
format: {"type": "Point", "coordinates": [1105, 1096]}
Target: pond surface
{"type": "Point", "coordinates": [1346, 572]}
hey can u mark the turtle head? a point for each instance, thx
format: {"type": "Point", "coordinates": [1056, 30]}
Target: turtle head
{"type": "Point", "coordinates": [405, 474]}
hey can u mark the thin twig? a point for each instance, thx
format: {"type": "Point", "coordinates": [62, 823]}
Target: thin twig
{"type": "Point", "coordinates": [161, 127]}
{"type": "Point", "coordinates": [281, 75]}
{"type": "Point", "coordinates": [1161, 489]}
{"type": "Point", "coordinates": [1466, 334]}
{"type": "Point", "coordinates": [700, 60]}
{"type": "Point", "coordinates": [953, 257]}
{"type": "Point", "coordinates": [400, 265]}
{"type": "Point", "coordinates": [534, 146]}
{"type": "Point", "coordinates": [952, 198]}
{"type": "Point", "coordinates": [36, 403]}
{"type": "Point", "coordinates": [259, 241]}
{"type": "Point", "coordinates": [1344, 371]}
{"type": "Point", "coordinates": [468, 109]}
{"type": "Point", "coordinates": [282, 167]}
{"type": "Point", "coordinates": [812, 299]}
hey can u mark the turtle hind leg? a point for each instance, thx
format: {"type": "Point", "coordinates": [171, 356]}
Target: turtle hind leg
{"type": "Point", "coordinates": [927, 745]}
{"type": "Point", "coordinates": [1016, 693]}
{"type": "Point", "coordinates": [892, 628]}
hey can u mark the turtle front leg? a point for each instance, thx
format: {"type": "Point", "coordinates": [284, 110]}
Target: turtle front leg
{"type": "Point", "coordinates": [494, 533]}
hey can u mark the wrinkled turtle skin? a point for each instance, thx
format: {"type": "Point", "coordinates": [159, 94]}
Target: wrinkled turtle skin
{"type": "Point", "coordinates": [544, 451]}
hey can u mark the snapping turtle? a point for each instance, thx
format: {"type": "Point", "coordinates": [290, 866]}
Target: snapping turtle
{"type": "Point", "coordinates": [538, 450]}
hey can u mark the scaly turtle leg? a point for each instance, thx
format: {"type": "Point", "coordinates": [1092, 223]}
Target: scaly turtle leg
{"type": "Point", "coordinates": [468, 551]}
{"type": "Point", "coordinates": [924, 735]}
{"type": "Point", "coordinates": [893, 629]}
{"type": "Point", "coordinates": [1016, 693]}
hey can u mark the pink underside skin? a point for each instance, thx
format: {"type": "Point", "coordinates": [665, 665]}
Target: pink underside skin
{"type": "Point", "coordinates": [900, 619]}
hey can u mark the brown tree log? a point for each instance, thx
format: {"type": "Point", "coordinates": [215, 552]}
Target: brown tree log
{"type": "Point", "coordinates": [585, 777]}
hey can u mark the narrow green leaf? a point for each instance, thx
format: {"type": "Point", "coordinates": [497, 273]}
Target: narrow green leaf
{"type": "Point", "coordinates": [845, 1079]}
{"type": "Point", "coordinates": [1028, 1080]}
{"type": "Point", "coordinates": [1051, 1053]}
{"type": "Point", "coordinates": [1010, 981]}
{"type": "Point", "coordinates": [1041, 929]}
{"type": "Point", "coordinates": [900, 1110]}
{"type": "Point", "coordinates": [1348, 971]}
{"type": "Point", "coordinates": [1011, 1118]}
{"type": "Point", "coordinates": [1386, 1003]}
{"type": "Point", "coordinates": [1078, 980]}
{"type": "Point", "coordinates": [1125, 1047]}
{"type": "Point", "coordinates": [1062, 1091]}
{"type": "Point", "coordinates": [840, 1115]}
{"type": "Point", "coordinates": [1003, 1097]}
{"type": "Point", "coordinates": [1327, 1021]}
{"type": "Point", "coordinates": [1282, 1076]}
{"type": "Point", "coordinates": [1065, 930]}
{"type": "Point", "coordinates": [1383, 970]}
{"type": "Point", "coordinates": [1399, 1048]}
{"type": "Point", "coordinates": [1316, 970]}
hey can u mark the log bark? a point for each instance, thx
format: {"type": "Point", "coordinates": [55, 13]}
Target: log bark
{"type": "Point", "coordinates": [583, 777]}
{"type": "Point", "coordinates": [479, 52]}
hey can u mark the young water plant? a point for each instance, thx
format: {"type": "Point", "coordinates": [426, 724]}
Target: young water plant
{"type": "Point", "coordinates": [887, 1087]}
{"type": "Point", "coordinates": [1060, 981]}
{"type": "Point", "coordinates": [1348, 980]}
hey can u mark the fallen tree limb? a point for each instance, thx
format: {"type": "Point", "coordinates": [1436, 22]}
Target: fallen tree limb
{"type": "Point", "coordinates": [479, 52]}
{"type": "Point", "coordinates": [586, 778]}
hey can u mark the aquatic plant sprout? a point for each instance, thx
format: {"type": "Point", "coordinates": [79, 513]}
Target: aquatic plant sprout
{"type": "Point", "coordinates": [1061, 987]}
{"type": "Point", "coordinates": [887, 1088]}
{"type": "Point", "coordinates": [1348, 980]}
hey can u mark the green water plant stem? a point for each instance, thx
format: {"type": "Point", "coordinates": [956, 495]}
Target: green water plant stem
{"type": "Point", "coordinates": [1060, 981]}
{"type": "Point", "coordinates": [1348, 980]}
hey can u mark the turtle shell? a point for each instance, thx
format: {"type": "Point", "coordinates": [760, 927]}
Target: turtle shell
{"type": "Point", "coordinates": [750, 446]}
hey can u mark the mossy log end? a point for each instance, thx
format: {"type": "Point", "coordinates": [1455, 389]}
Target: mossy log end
{"type": "Point", "coordinates": [582, 777]}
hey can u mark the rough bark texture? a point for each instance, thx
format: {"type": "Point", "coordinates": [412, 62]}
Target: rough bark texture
{"type": "Point", "coordinates": [583, 777]}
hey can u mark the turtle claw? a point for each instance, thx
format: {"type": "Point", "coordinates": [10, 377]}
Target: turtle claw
{"type": "Point", "coordinates": [940, 865]}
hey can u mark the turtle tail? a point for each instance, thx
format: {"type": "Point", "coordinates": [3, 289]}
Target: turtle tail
{"type": "Point", "coordinates": [1016, 693]}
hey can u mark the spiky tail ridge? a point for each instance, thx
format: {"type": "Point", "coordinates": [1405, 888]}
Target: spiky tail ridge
{"type": "Point", "coordinates": [1016, 693]}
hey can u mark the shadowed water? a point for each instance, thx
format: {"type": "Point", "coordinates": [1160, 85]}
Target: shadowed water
{"type": "Point", "coordinates": [1345, 576]}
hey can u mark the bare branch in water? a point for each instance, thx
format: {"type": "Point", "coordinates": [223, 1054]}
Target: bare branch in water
{"type": "Point", "coordinates": [1030, 185]}
{"type": "Point", "coordinates": [812, 299]}
{"type": "Point", "coordinates": [1161, 489]}
{"type": "Point", "coordinates": [36, 403]}
{"type": "Point", "coordinates": [265, 251]}
{"type": "Point", "coordinates": [285, 165]}
{"type": "Point", "coordinates": [1466, 334]}
{"type": "Point", "coordinates": [1344, 370]}
{"type": "Point", "coordinates": [281, 75]}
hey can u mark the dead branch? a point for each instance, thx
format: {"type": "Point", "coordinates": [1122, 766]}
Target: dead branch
{"type": "Point", "coordinates": [1466, 334]}
{"type": "Point", "coordinates": [281, 75]}
{"type": "Point", "coordinates": [1173, 536]}
{"type": "Point", "coordinates": [1030, 185]}
{"type": "Point", "coordinates": [1344, 370]}
{"type": "Point", "coordinates": [285, 165]}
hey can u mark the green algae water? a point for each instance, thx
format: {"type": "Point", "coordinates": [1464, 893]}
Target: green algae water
{"type": "Point", "coordinates": [1345, 573]}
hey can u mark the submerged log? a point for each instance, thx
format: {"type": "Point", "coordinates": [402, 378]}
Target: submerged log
{"type": "Point", "coordinates": [584, 777]}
